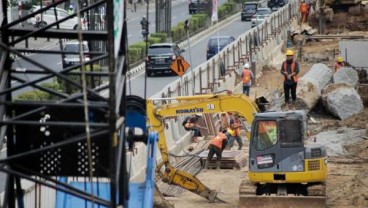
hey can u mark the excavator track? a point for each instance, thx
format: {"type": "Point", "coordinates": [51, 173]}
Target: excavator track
{"type": "Point", "coordinates": [249, 197]}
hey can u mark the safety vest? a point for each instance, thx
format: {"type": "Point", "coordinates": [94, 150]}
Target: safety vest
{"type": "Point", "coordinates": [217, 141]}
{"type": "Point", "coordinates": [295, 77]}
{"type": "Point", "coordinates": [235, 131]}
{"type": "Point", "coordinates": [303, 8]}
{"type": "Point", "coordinates": [338, 66]}
{"type": "Point", "coordinates": [246, 76]}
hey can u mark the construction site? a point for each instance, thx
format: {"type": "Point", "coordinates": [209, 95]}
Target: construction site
{"type": "Point", "coordinates": [346, 140]}
{"type": "Point", "coordinates": [81, 127]}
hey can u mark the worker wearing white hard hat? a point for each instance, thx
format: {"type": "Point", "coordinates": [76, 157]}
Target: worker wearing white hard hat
{"type": "Point", "coordinates": [247, 76]}
{"type": "Point", "coordinates": [71, 10]}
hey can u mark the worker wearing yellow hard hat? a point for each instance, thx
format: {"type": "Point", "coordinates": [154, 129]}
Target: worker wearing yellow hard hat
{"type": "Point", "coordinates": [339, 63]}
{"type": "Point", "coordinates": [290, 70]}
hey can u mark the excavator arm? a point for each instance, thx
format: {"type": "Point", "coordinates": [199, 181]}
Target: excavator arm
{"type": "Point", "coordinates": [188, 105]}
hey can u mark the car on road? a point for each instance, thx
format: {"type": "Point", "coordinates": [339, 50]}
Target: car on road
{"type": "Point", "coordinates": [274, 5]}
{"type": "Point", "coordinates": [217, 43]}
{"type": "Point", "coordinates": [249, 9]}
{"type": "Point", "coordinates": [160, 57]}
{"type": "Point", "coordinates": [48, 17]}
{"type": "Point", "coordinates": [260, 16]}
{"type": "Point", "coordinates": [73, 59]}
{"type": "Point", "coordinates": [197, 6]}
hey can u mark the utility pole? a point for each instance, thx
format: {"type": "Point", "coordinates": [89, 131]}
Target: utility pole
{"type": "Point", "coordinates": [186, 27]}
{"type": "Point", "coordinates": [163, 17]}
{"type": "Point", "coordinates": [145, 32]}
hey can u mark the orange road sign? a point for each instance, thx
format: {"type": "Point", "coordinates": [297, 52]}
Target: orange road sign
{"type": "Point", "coordinates": [179, 66]}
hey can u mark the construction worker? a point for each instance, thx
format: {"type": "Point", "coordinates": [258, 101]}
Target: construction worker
{"type": "Point", "coordinates": [224, 121]}
{"type": "Point", "coordinates": [234, 131]}
{"type": "Point", "coordinates": [71, 10]}
{"type": "Point", "coordinates": [217, 146]}
{"type": "Point", "coordinates": [290, 70]}
{"type": "Point", "coordinates": [339, 63]}
{"type": "Point", "coordinates": [303, 11]}
{"type": "Point", "coordinates": [247, 76]}
{"type": "Point", "coordinates": [192, 125]}
{"type": "Point", "coordinates": [267, 134]}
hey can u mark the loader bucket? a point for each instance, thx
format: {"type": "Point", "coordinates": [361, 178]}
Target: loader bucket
{"type": "Point", "coordinates": [246, 201]}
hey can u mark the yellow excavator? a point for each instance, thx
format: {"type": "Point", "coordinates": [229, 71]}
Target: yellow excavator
{"type": "Point", "coordinates": [281, 166]}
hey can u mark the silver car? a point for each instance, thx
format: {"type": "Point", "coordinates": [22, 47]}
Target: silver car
{"type": "Point", "coordinates": [260, 16]}
{"type": "Point", "coordinates": [73, 59]}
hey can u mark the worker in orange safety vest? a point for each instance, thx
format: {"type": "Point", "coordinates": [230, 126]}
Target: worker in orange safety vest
{"type": "Point", "coordinates": [216, 146]}
{"type": "Point", "coordinates": [303, 11]}
{"type": "Point", "coordinates": [339, 63]}
{"type": "Point", "coordinates": [290, 70]}
{"type": "Point", "coordinates": [247, 76]}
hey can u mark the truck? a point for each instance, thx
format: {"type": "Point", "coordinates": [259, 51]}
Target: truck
{"type": "Point", "coordinates": [283, 170]}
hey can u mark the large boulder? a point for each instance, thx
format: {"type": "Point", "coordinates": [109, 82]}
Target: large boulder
{"type": "Point", "coordinates": [346, 75]}
{"type": "Point", "coordinates": [342, 100]}
{"type": "Point", "coordinates": [311, 85]}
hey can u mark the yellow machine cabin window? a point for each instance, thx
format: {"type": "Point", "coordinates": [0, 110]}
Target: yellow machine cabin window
{"type": "Point", "coordinates": [266, 135]}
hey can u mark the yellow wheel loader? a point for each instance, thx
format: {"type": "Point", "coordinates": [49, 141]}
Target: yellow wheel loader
{"type": "Point", "coordinates": [281, 166]}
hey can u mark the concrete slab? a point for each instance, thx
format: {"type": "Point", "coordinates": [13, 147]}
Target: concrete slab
{"type": "Point", "coordinates": [354, 52]}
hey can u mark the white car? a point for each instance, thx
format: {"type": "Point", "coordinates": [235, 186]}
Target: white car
{"type": "Point", "coordinates": [260, 16]}
{"type": "Point", "coordinates": [73, 59]}
{"type": "Point", "coordinates": [48, 17]}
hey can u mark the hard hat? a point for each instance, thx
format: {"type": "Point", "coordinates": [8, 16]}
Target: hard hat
{"type": "Point", "coordinates": [339, 59]}
{"type": "Point", "coordinates": [246, 65]}
{"type": "Point", "coordinates": [71, 7]}
{"type": "Point", "coordinates": [198, 114]}
{"type": "Point", "coordinates": [290, 53]}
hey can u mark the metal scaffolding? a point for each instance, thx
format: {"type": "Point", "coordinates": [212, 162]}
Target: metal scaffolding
{"type": "Point", "coordinates": [59, 124]}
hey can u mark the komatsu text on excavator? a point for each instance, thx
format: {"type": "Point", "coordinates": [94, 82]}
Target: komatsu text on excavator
{"type": "Point", "coordinates": [283, 170]}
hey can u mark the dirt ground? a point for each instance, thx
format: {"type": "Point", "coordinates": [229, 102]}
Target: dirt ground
{"type": "Point", "coordinates": [347, 181]}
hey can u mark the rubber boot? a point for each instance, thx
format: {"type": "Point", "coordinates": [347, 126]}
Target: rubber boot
{"type": "Point", "coordinates": [206, 164]}
{"type": "Point", "coordinates": [293, 105]}
{"type": "Point", "coordinates": [218, 165]}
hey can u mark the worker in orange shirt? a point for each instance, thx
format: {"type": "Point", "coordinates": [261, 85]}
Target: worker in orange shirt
{"type": "Point", "coordinates": [303, 11]}
{"type": "Point", "coordinates": [267, 134]}
{"type": "Point", "coordinates": [217, 145]}
{"type": "Point", "coordinates": [247, 76]}
{"type": "Point", "coordinates": [339, 63]}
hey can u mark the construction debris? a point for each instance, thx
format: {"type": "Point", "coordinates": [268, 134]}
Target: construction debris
{"type": "Point", "coordinates": [230, 159]}
{"type": "Point", "coordinates": [346, 75]}
{"type": "Point", "coordinates": [311, 85]}
{"type": "Point", "coordinates": [342, 100]}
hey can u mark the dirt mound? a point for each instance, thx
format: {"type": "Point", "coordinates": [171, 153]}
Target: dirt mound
{"type": "Point", "coordinates": [343, 21]}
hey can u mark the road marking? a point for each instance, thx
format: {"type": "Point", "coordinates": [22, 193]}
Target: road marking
{"type": "Point", "coordinates": [174, 17]}
{"type": "Point", "coordinates": [59, 63]}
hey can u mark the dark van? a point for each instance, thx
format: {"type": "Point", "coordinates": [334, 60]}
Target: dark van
{"type": "Point", "coordinates": [216, 44]}
{"type": "Point", "coordinates": [249, 9]}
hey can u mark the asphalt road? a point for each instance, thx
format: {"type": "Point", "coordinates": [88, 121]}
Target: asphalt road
{"type": "Point", "coordinates": [198, 50]}
{"type": "Point", "coordinates": [179, 13]}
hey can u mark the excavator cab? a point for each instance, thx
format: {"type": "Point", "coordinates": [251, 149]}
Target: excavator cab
{"type": "Point", "coordinates": [281, 165]}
